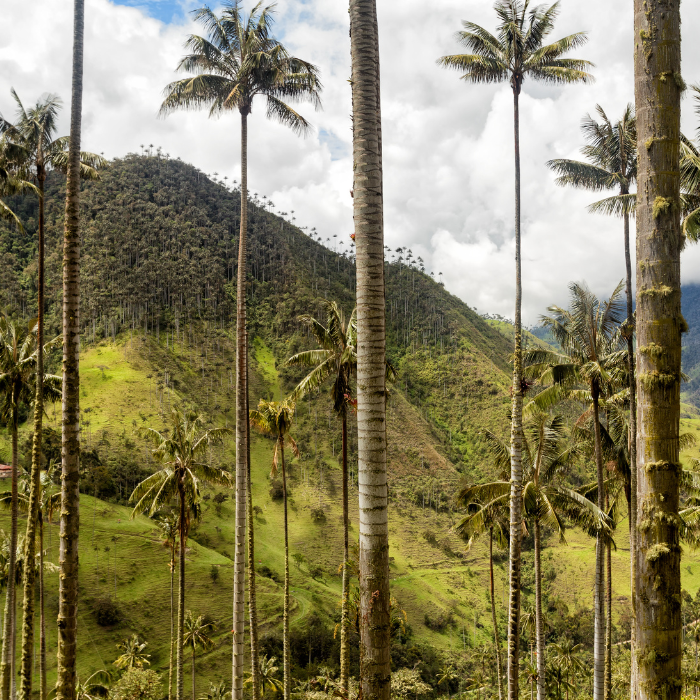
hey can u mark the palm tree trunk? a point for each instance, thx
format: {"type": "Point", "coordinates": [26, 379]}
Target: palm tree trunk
{"type": "Point", "coordinates": [42, 618]}
{"type": "Point", "coordinates": [172, 621]}
{"type": "Point", "coordinates": [608, 617]}
{"type": "Point", "coordinates": [599, 596]}
{"type": "Point", "coordinates": [344, 616]}
{"type": "Point", "coordinates": [252, 593]}
{"type": "Point", "coordinates": [193, 681]}
{"type": "Point", "coordinates": [375, 629]}
{"type": "Point", "coordinates": [516, 466]}
{"type": "Point", "coordinates": [35, 488]}
{"type": "Point", "coordinates": [539, 627]}
{"type": "Point", "coordinates": [180, 680]}
{"type": "Point", "coordinates": [70, 493]}
{"type": "Point", "coordinates": [496, 639]}
{"type": "Point", "coordinates": [241, 423]}
{"type": "Point", "coordinates": [659, 328]}
{"type": "Point", "coordinates": [633, 454]}
{"type": "Point", "coordinates": [285, 626]}
{"type": "Point", "coordinates": [8, 636]}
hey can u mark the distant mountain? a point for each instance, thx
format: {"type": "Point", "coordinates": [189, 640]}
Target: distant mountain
{"type": "Point", "coordinates": [690, 304]}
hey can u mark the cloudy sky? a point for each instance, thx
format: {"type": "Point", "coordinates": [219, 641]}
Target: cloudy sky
{"type": "Point", "coordinates": [448, 145]}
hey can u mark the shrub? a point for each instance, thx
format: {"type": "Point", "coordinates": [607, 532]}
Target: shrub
{"type": "Point", "coordinates": [267, 572]}
{"type": "Point", "coordinates": [430, 538]}
{"type": "Point", "coordinates": [276, 490]}
{"type": "Point", "coordinates": [214, 573]}
{"type": "Point", "coordinates": [316, 572]}
{"type": "Point", "coordinates": [439, 623]}
{"type": "Point", "coordinates": [318, 516]}
{"type": "Point", "coordinates": [107, 613]}
{"type": "Point", "coordinates": [137, 684]}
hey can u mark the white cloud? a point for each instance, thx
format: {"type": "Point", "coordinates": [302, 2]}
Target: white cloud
{"type": "Point", "coordinates": [448, 145]}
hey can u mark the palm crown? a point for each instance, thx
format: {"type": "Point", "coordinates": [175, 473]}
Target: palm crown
{"type": "Point", "coordinates": [238, 60]}
{"type": "Point", "coordinates": [611, 161]}
{"type": "Point", "coordinates": [518, 50]}
{"type": "Point", "coordinates": [275, 418]}
{"type": "Point", "coordinates": [335, 357]}
{"type": "Point", "coordinates": [181, 453]}
{"type": "Point", "coordinates": [30, 147]}
{"type": "Point", "coordinates": [592, 350]}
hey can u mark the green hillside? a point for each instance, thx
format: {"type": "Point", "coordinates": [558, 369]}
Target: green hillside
{"type": "Point", "coordinates": [158, 330]}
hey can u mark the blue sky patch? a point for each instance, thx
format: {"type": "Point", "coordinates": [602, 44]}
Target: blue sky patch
{"type": "Point", "coordinates": [168, 11]}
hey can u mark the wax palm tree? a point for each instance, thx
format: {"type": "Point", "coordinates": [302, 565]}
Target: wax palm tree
{"type": "Point", "coordinates": [517, 52]}
{"type": "Point", "coordinates": [181, 453]}
{"type": "Point", "coordinates": [197, 634]}
{"type": "Point", "coordinates": [611, 163]}
{"type": "Point", "coordinates": [18, 377]}
{"type": "Point", "coordinates": [446, 675]}
{"type": "Point", "coordinates": [133, 654]}
{"type": "Point", "coordinates": [566, 657]}
{"type": "Point", "coordinates": [32, 149]}
{"type": "Point", "coordinates": [217, 691]}
{"type": "Point", "coordinates": [592, 364]}
{"type": "Point", "coordinates": [237, 61]}
{"type": "Point", "coordinates": [168, 525]}
{"type": "Point", "coordinates": [49, 502]}
{"type": "Point", "coordinates": [482, 518]}
{"type": "Point", "coordinates": [70, 412]}
{"type": "Point", "coordinates": [368, 236]}
{"type": "Point", "coordinates": [268, 675]}
{"type": "Point", "coordinates": [336, 359]}
{"type": "Point", "coordinates": [544, 501]}
{"type": "Point", "coordinates": [275, 419]}
{"type": "Point", "coordinates": [94, 687]}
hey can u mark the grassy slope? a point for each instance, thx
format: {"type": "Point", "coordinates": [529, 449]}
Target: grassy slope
{"type": "Point", "coordinates": [426, 580]}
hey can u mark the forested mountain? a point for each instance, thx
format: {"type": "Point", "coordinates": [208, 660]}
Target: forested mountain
{"type": "Point", "coordinates": [159, 248]}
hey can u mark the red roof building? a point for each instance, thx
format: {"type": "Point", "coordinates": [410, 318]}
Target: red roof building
{"type": "Point", "coordinates": [5, 471]}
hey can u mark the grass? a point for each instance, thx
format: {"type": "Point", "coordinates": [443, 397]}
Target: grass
{"type": "Point", "coordinates": [121, 388]}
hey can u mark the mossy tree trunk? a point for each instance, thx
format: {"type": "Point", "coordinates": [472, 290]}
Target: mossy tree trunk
{"type": "Point", "coordinates": [285, 624]}
{"type": "Point", "coordinates": [241, 423]}
{"type": "Point", "coordinates": [26, 662]}
{"type": "Point", "coordinates": [496, 637]}
{"type": "Point", "coordinates": [608, 622]}
{"type": "Point", "coordinates": [539, 625]}
{"type": "Point", "coordinates": [375, 628]}
{"type": "Point", "coordinates": [70, 476]}
{"type": "Point", "coordinates": [658, 89]}
{"type": "Point", "coordinates": [599, 592]}
{"type": "Point", "coordinates": [632, 500]}
{"type": "Point", "coordinates": [516, 433]}
{"type": "Point", "coordinates": [172, 619]}
{"type": "Point", "coordinates": [180, 679]}
{"type": "Point", "coordinates": [252, 591]}
{"type": "Point", "coordinates": [344, 614]}
{"type": "Point", "coordinates": [6, 674]}
{"type": "Point", "coordinates": [42, 617]}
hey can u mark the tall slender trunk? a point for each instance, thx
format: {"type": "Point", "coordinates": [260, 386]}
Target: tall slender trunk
{"type": "Point", "coordinates": [285, 624]}
{"type": "Point", "coordinates": [658, 89]}
{"type": "Point", "coordinates": [633, 453]}
{"type": "Point", "coordinates": [42, 618]}
{"type": "Point", "coordinates": [70, 476]}
{"type": "Point", "coordinates": [375, 628]}
{"type": "Point", "coordinates": [344, 615]}
{"type": "Point", "coordinates": [193, 679]}
{"type": "Point", "coordinates": [539, 626]}
{"type": "Point", "coordinates": [516, 431]}
{"type": "Point", "coordinates": [35, 478]}
{"type": "Point", "coordinates": [180, 680]}
{"type": "Point", "coordinates": [608, 622]}
{"type": "Point", "coordinates": [599, 595]}
{"type": "Point", "coordinates": [241, 423]}
{"type": "Point", "coordinates": [8, 636]}
{"type": "Point", "coordinates": [252, 592]}
{"type": "Point", "coordinates": [496, 638]}
{"type": "Point", "coordinates": [172, 620]}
